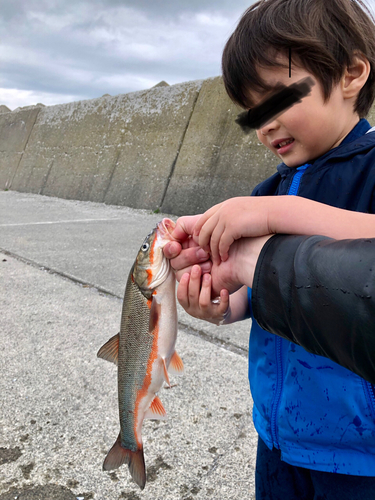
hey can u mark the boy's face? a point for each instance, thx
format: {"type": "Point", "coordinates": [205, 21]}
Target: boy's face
{"type": "Point", "coordinates": [310, 128]}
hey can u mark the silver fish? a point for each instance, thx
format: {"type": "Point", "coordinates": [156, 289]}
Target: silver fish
{"type": "Point", "coordinates": [144, 349]}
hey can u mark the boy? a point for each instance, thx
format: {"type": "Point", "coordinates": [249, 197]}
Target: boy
{"type": "Point", "coordinates": [315, 419]}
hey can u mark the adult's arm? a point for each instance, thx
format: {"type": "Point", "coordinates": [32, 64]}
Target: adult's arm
{"type": "Point", "coordinates": [320, 294]}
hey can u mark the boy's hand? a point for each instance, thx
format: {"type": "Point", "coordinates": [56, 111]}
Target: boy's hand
{"type": "Point", "coordinates": [231, 220]}
{"type": "Point", "coordinates": [194, 294]}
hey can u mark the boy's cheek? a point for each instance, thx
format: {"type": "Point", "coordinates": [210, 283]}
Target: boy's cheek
{"type": "Point", "coordinates": [263, 140]}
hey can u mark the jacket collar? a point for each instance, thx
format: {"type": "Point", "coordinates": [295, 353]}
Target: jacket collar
{"type": "Point", "coordinates": [343, 149]}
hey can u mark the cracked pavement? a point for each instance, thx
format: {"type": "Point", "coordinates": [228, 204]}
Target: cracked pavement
{"type": "Point", "coordinates": [63, 268]}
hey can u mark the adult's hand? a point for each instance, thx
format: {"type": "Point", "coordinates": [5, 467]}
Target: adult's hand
{"type": "Point", "coordinates": [184, 253]}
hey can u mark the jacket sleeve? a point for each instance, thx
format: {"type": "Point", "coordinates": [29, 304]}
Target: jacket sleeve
{"type": "Point", "coordinates": [320, 294]}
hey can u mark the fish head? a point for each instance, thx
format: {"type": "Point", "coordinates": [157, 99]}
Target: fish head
{"type": "Point", "coordinates": [151, 267]}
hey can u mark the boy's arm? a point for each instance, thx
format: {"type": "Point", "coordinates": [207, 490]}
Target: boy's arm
{"type": "Point", "coordinates": [255, 216]}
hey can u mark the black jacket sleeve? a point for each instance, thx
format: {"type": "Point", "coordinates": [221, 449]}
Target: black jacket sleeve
{"type": "Point", "coordinates": [320, 294]}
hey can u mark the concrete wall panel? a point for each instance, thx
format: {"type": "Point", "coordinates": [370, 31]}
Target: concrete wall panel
{"type": "Point", "coordinates": [151, 143]}
{"type": "Point", "coordinates": [114, 149]}
{"type": "Point", "coordinates": [217, 160]}
{"type": "Point", "coordinates": [15, 130]}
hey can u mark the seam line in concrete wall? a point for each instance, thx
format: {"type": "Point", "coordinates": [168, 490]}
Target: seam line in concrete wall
{"type": "Point", "coordinates": [9, 183]}
{"type": "Point", "coordinates": [111, 177]}
{"type": "Point", "coordinates": [46, 178]}
{"type": "Point", "coordinates": [169, 178]}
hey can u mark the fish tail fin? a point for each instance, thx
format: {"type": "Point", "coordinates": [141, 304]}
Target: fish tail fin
{"type": "Point", "coordinates": [137, 467]}
{"type": "Point", "coordinates": [118, 455]}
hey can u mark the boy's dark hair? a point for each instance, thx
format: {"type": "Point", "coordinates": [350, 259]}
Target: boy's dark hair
{"type": "Point", "coordinates": [321, 35]}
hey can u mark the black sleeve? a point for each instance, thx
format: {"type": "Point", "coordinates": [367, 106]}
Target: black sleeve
{"type": "Point", "coordinates": [320, 294]}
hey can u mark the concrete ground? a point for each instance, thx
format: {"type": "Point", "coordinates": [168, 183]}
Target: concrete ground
{"type": "Point", "coordinates": [63, 268]}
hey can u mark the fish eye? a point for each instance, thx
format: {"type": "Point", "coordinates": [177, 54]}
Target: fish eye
{"type": "Point", "coordinates": [145, 247]}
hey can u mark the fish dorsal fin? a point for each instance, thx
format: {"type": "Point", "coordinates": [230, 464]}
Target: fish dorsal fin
{"type": "Point", "coordinates": [156, 410]}
{"type": "Point", "coordinates": [176, 365]}
{"type": "Point", "coordinates": [109, 351]}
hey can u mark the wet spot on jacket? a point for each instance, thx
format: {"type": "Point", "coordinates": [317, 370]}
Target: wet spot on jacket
{"type": "Point", "coordinates": [303, 363]}
{"type": "Point", "coordinates": [267, 341]}
{"type": "Point", "coordinates": [357, 421]}
{"type": "Point", "coordinates": [324, 367]}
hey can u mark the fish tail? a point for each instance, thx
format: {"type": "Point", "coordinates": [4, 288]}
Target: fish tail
{"type": "Point", "coordinates": [118, 455]}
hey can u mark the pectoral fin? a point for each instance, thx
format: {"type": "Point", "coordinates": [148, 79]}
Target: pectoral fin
{"type": "Point", "coordinates": [155, 310]}
{"type": "Point", "coordinates": [166, 377]}
{"type": "Point", "coordinates": [109, 351]}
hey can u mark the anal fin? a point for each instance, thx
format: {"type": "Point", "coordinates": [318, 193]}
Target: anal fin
{"type": "Point", "coordinates": [156, 410]}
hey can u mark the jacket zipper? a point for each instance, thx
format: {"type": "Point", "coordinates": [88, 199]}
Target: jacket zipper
{"type": "Point", "coordinates": [293, 190]}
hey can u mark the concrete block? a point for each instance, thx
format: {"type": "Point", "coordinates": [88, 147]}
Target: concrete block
{"type": "Point", "coordinates": [4, 109]}
{"type": "Point", "coordinates": [15, 130]}
{"type": "Point", "coordinates": [119, 150]}
{"type": "Point", "coordinates": [217, 160]}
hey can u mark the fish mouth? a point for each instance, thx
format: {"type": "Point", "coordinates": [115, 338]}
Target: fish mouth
{"type": "Point", "coordinates": [165, 228]}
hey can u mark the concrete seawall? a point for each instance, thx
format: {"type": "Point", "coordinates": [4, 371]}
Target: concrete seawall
{"type": "Point", "coordinates": [175, 148]}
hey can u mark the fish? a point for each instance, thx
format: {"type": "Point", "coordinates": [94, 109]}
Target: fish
{"type": "Point", "coordinates": [144, 349]}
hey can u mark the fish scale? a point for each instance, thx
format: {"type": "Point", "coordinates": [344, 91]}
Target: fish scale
{"type": "Point", "coordinates": [132, 369]}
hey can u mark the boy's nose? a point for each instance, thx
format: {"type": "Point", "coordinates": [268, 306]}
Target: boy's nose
{"type": "Point", "coordinates": [266, 129]}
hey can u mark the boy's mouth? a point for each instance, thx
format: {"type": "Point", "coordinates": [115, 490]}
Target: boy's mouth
{"type": "Point", "coordinates": [279, 144]}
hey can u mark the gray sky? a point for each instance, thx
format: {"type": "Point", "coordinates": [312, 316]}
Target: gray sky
{"type": "Point", "coordinates": [56, 51]}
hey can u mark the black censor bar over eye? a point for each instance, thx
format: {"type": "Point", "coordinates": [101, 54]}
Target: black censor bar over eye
{"type": "Point", "coordinates": [275, 105]}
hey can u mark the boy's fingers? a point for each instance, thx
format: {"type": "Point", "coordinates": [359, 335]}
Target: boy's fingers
{"type": "Point", "coordinates": [203, 218]}
{"type": "Point", "coordinates": [206, 231]}
{"type": "Point", "coordinates": [182, 291]}
{"type": "Point", "coordinates": [194, 286]}
{"type": "Point", "coordinates": [205, 295]}
{"type": "Point", "coordinates": [205, 267]}
{"type": "Point", "coordinates": [184, 227]}
{"type": "Point", "coordinates": [216, 237]}
{"type": "Point", "coordinates": [225, 242]}
{"type": "Point", "coordinates": [224, 300]}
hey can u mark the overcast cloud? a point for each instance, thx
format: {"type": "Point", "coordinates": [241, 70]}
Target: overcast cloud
{"type": "Point", "coordinates": [56, 51]}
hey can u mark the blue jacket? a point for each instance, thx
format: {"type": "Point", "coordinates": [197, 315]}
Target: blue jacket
{"type": "Point", "coordinates": [319, 414]}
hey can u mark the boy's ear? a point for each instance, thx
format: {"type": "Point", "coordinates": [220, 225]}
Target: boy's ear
{"type": "Point", "coordinates": [355, 76]}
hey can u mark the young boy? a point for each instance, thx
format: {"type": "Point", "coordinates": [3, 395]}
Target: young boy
{"type": "Point", "coordinates": [315, 419]}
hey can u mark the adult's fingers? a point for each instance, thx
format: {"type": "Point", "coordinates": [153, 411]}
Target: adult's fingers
{"type": "Point", "coordinates": [188, 257]}
{"type": "Point", "coordinates": [172, 249]}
